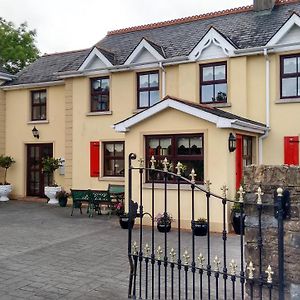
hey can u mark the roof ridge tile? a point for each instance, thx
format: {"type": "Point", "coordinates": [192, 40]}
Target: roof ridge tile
{"type": "Point", "coordinates": [188, 19]}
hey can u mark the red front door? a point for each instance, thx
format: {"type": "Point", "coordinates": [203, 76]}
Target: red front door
{"type": "Point", "coordinates": [238, 161]}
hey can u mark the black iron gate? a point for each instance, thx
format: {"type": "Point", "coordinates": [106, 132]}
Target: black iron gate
{"type": "Point", "coordinates": [161, 272]}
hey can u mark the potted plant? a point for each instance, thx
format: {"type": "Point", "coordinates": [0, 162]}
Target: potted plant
{"type": "Point", "coordinates": [62, 197]}
{"type": "Point", "coordinates": [164, 222]}
{"type": "Point", "coordinates": [236, 218]}
{"type": "Point", "coordinates": [124, 221]}
{"type": "Point", "coordinates": [119, 208]}
{"type": "Point", "coordinates": [200, 227]}
{"type": "Point", "coordinates": [5, 187]}
{"type": "Point", "coordinates": [50, 164]}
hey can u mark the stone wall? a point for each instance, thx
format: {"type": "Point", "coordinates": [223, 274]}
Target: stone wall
{"type": "Point", "coordinates": [269, 178]}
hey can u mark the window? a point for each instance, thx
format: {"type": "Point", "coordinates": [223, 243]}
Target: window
{"type": "Point", "coordinates": [213, 83]}
{"type": "Point", "coordinates": [38, 105]}
{"type": "Point", "coordinates": [147, 89]}
{"type": "Point", "coordinates": [247, 151]}
{"type": "Point", "coordinates": [114, 159]}
{"type": "Point", "coordinates": [100, 94]}
{"type": "Point", "coordinates": [188, 149]}
{"type": "Point", "coordinates": [290, 76]}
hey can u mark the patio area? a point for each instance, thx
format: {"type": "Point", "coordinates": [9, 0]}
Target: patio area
{"type": "Point", "coordinates": [47, 254]}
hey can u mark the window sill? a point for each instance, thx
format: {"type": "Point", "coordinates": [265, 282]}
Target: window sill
{"type": "Point", "coordinates": [119, 179]}
{"type": "Point", "coordinates": [38, 122]}
{"type": "Point", "coordinates": [288, 100]}
{"type": "Point", "coordinates": [170, 186]}
{"type": "Point", "coordinates": [221, 105]}
{"type": "Point", "coordinates": [99, 113]}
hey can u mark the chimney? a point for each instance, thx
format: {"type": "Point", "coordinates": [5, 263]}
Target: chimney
{"type": "Point", "coordinates": [260, 5]}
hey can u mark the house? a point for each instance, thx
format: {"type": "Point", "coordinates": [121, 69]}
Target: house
{"type": "Point", "coordinates": [177, 89]}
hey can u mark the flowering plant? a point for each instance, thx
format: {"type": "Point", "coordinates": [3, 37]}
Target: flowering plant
{"type": "Point", "coordinates": [119, 207]}
{"type": "Point", "coordinates": [164, 218]}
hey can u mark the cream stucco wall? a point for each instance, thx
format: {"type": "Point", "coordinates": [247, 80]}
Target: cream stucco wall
{"type": "Point", "coordinates": [218, 164]}
{"type": "Point", "coordinates": [18, 132]}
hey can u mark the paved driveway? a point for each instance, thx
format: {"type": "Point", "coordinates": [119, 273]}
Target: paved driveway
{"type": "Point", "coordinates": [46, 254]}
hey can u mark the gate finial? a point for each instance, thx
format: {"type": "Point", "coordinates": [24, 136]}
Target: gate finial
{"type": "Point", "coordinates": [147, 250]}
{"type": "Point", "coordinates": [208, 184]}
{"type": "Point", "coordinates": [270, 273]}
{"type": "Point", "coordinates": [259, 193]}
{"type": "Point", "coordinates": [165, 164]}
{"type": "Point", "coordinates": [232, 267]}
{"type": "Point", "coordinates": [141, 161]}
{"type": "Point", "coordinates": [193, 175]}
{"type": "Point", "coordinates": [251, 269]}
{"type": "Point", "coordinates": [201, 260]}
{"type": "Point", "coordinates": [134, 248]}
{"type": "Point", "coordinates": [159, 252]}
{"type": "Point", "coordinates": [224, 190]}
{"type": "Point", "coordinates": [217, 263]}
{"type": "Point", "coordinates": [241, 193]}
{"type": "Point", "coordinates": [186, 257]}
{"type": "Point", "coordinates": [279, 192]}
{"type": "Point", "coordinates": [152, 162]}
{"type": "Point", "coordinates": [173, 255]}
{"type": "Point", "coordinates": [179, 168]}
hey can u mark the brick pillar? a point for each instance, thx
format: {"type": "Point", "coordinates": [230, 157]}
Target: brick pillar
{"type": "Point", "coordinates": [270, 178]}
{"type": "Point", "coordinates": [68, 133]}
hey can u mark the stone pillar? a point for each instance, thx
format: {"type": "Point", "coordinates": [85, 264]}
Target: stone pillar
{"type": "Point", "coordinates": [269, 178]}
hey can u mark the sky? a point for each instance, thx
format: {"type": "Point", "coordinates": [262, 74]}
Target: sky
{"type": "Point", "coordinates": [64, 25]}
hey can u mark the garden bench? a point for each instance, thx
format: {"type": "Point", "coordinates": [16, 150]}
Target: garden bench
{"type": "Point", "coordinates": [94, 198]}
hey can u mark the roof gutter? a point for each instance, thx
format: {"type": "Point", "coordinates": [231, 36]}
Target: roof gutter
{"type": "Point", "coordinates": [262, 49]}
{"type": "Point", "coordinates": [119, 68]}
{"type": "Point", "coordinates": [31, 85]}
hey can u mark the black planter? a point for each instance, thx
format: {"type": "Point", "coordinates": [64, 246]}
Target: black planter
{"type": "Point", "coordinates": [163, 227]}
{"type": "Point", "coordinates": [200, 229]}
{"type": "Point", "coordinates": [124, 222]}
{"type": "Point", "coordinates": [63, 201]}
{"type": "Point", "coordinates": [236, 222]}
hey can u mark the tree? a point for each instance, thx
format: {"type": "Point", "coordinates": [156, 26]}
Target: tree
{"type": "Point", "coordinates": [17, 46]}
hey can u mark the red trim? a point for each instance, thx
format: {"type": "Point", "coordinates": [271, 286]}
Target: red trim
{"type": "Point", "coordinates": [291, 150]}
{"type": "Point", "coordinates": [193, 18]}
{"type": "Point", "coordinates": [94, 158]}
{"type": "Point", "coordinates": [238, 161]}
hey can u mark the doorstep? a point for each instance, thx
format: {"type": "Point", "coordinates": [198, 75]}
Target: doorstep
{"type": "Point", "coordinates": [32, 199]}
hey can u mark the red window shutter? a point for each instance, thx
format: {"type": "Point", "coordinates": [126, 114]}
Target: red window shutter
{"type": "Point", "coordinates": [291, 150]}
{"type": "Point", "coordinates": [94, 158]}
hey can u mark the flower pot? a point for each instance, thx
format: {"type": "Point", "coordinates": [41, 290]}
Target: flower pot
{"type": "Point", "coordinates": [236, 222]}
{"type": "Point", "coordinates": [50, 192]}
{"type": "Point", "coordinates": [63, 201]}
{"type": "Point", "coordinates": [104, 209]}
{"type": "Point", "coordinates": [4, 191]}
{"type": "Point", "coordinates": [200, 229]}
{"type": "Point", "coordinates": [164, 228]}
{"type": "Point", "coordinates": [124, 222]}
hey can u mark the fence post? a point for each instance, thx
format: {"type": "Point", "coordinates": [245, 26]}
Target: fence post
{"type": "Point", "coordinates": [280, 244]}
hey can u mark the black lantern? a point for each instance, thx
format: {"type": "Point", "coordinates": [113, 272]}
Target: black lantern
{"type": "Point", "coordinates": [231, 142]}
{"type": "Point", "coordinates": [35, 133]}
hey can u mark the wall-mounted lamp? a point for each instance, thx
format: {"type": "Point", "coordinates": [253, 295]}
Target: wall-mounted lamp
{"type": "Point", "coordinates": [231, 142]}
{"type": "Point", "coordinates": [35, 133]}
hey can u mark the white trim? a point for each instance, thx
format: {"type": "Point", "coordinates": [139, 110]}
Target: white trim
{"type": "Point", "coordinates": [141, 46]}
{"type": "Point", "coordinates": [293, 20]}
{"type": "Point", "coordinates": [95, 52]}
{"type": "Point", "coordinates": [212, 37]}
{"type": "Point", "coordinates": [32, 85]}
{"type": "Point", "coordinates": [220, 122]}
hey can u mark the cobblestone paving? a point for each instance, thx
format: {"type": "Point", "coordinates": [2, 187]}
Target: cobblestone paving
{"type": "Point", "coordinates": [47, 254]}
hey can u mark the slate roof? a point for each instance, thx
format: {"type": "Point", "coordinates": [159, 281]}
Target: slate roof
{"type": "Point", "coordinates": [207, 108]}
{"type": "Point", "coordinates": [243, 27]}
{"type": "Point", "coordinates": [2, 70]}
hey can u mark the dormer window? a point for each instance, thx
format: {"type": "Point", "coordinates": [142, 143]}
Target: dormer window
{"type": "Point", "coordinates": [290, 76]}
{"type": "Point", "coordinates": [213, 83]}
{"type": "Point", "coordinates": [100, 94]}
{"type": "Point", "coordinates": [147, 89]}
